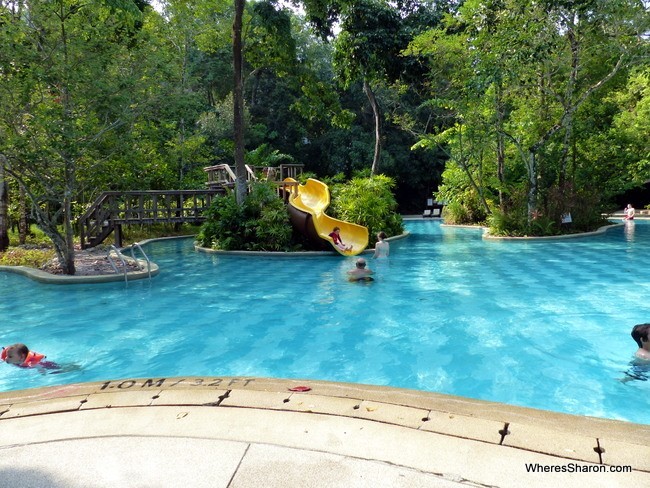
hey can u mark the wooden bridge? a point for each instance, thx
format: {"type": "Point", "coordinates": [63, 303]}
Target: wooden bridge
{"type": "Point", "coordinates": [112, 209]}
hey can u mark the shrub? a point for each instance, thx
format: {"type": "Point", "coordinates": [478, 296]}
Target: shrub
{"type": "Point", "coordinates": [506, 223]}
{"type": "Point", "coordinates": [223, 228]}
{"type": "Point", "coordinates": [261, 223]}
{"type": "Point", "coordinates": [369, 202]}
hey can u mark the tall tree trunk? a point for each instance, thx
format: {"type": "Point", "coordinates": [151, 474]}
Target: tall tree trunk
{"type": "Point", "coordinates": [501, 155]}
{"type": "Point", "coordinates": [377, 116]}
{"type": "Point", "coordinates": [463, 163]}
{"type": "Point", "coordinates": [22, 219]}
{"type": "Point", "coordinates": [531, 165]}
{"type": "Point", "coordinates": [568, 98]}
{"type": "Point", "coordinates": [238, 102]}
{"type": "Point", "coordinates": [67, 256]}
{"type": "Point", "coordinates": [4, 207]}
{"type": "Point", "coordinates": [64, 252]}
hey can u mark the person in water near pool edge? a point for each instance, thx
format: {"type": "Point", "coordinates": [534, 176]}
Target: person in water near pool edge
{"type": "Point", "coordinates": [20, 355]}
{"type": "Point", "coordinates": [360, 272]}
{"type": "Point", "coordinates": [336, 238]}
{"type": "Point", "coordinates": [640, 335]}
{"type": "Point", "coordinates": [640, 366]}
{"type": "Point", "coordinates": [382, 248]}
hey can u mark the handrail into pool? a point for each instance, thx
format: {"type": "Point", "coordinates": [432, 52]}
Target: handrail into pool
{"type": "Point", "coordinates": [119, 255]}
{"type": "Point", "coordinates": [136, 245]}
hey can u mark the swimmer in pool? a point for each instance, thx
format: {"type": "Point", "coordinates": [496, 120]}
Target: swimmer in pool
{"type": "Point", "coordinates": [20, 355]}
{"type": "Point", "coordinates": [360, 272]}
{"type": "Point", "coordinates": [640, 365]}
{"type": "Point", "coordinates": [640, 335]}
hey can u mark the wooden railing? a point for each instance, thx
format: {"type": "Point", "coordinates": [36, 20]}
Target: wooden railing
{"type": "Point", "coordinates": [112, 209]}
{"type": "Point", "coordinates": [222, 175]}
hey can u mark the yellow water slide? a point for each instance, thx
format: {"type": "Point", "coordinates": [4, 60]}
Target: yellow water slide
{"type": "Point", "coordinates": [307, 209]}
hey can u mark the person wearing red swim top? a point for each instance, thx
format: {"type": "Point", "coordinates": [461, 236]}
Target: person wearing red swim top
{"type": "Point", "coordinates": [20, 355]}
{"type": "Point", "coordinates": [336, 237]}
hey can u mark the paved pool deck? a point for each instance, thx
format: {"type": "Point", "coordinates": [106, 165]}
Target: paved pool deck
{"type": "Point", "coordinates": [257, 432]}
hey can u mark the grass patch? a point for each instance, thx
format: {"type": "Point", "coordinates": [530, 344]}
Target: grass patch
{"type": "Point", "coordinates": [20, 256]}
{"type": "Point", "coordinates": [38, 249]}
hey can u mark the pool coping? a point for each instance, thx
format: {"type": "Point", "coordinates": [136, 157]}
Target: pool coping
{"type": "Point", "coordinates": [328, 418]}
{"type": "Point", "coordinates": [291, 254]}
{"type": "Point", "coordinates": [62, 279]}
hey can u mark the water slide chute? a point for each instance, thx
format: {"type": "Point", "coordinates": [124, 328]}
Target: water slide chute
{"type": "Point", "coordinates": [307, 207]}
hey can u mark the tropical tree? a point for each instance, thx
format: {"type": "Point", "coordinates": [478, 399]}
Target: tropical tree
{"type": "Point", "coordinates": [4, 207]}
{"type": "Point", "coordinates": [64, 86]}
{"type": "Point", "coordinates": [523, 74]}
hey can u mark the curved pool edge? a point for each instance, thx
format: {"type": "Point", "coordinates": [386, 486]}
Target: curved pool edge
{"type": "Point", "coordinates": [49, 278]}
{"type": "Point", "coordinates": [289, 254]}
{"type": "Point", "coordinates": [436, 435]}
{"type": "Point", "coordinates": [487, 236]}
{"type": "Point", "coordinates": [601, 230]}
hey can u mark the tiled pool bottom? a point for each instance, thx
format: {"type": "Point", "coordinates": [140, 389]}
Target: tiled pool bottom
{"type": "Point", "coordinates": [250, 432]}
{"type": "Point", "coordinates": [542, 324]}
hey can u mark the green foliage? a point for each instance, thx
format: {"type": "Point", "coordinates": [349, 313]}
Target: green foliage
{"type": "Point", "coordinates": [264, 155]}
{"type": "Point", "coordinates": [260, 224]}
{"type": "Point", "coordinates": [506, 224]}
{"type": "Point", "coordinates": [369, 202]}
{"type": "Point", "coordinates": [528, 132]}
{"type": "Point", "coordinates": [100, 96]}
{"type": "Point", "coordinates": [20, 256]}
{"type": "Point", "coordinates": [631, 126]}
{"type": "Point", "coordinates": [35, 238]}
{"type": "Point", "coordinates": [462, 202]}
{"type": "Point", "coordinates": [223, 227]}
{"type": "Point", "coordinates": [543, 225]}
{"type": "Point", "coordinates": [455, 213]}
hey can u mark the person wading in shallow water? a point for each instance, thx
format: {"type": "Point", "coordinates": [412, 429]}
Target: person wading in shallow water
{"type": "Point", "coordinates": [382, 248]}
{"type": "Point", "coordinates": [360, 272]}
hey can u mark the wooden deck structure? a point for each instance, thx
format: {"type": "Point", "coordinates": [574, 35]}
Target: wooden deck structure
{"type": "Point", "coordinates": [112, 209]}
{"type": "Point", "coordinates": [222, 176]}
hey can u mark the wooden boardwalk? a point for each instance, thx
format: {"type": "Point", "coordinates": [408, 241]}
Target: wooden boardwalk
{"type": "Point", "coordinates": [113, 209]}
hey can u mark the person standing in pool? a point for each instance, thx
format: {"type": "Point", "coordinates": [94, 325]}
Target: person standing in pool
{"type": "Point", "coordinates": [629, 212]}
{"type": "Point", "coordinates": [640, 365]}
{"type": "Point", "coordinates": [640, 335]}
{"type": "Point", "coordinates": [360, 272]}
{"type": "Point", "coordinates": [382, 248]}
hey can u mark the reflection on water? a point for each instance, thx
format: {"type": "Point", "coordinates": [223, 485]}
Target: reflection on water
{"type": "Point", "coordinates": [629, 230]}
{"type": "Point", "coordinates": [538, 324]}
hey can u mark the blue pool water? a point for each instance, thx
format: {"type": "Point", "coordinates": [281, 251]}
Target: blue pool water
{"type": "Point", "coordinates": [538, 324]}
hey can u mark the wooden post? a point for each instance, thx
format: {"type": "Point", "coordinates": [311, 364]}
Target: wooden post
{"type": "Point", "coordinates": [118, 235]}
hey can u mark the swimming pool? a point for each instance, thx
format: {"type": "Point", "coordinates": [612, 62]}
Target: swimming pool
{"type": "Point", "coordinates": [538, 324]}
